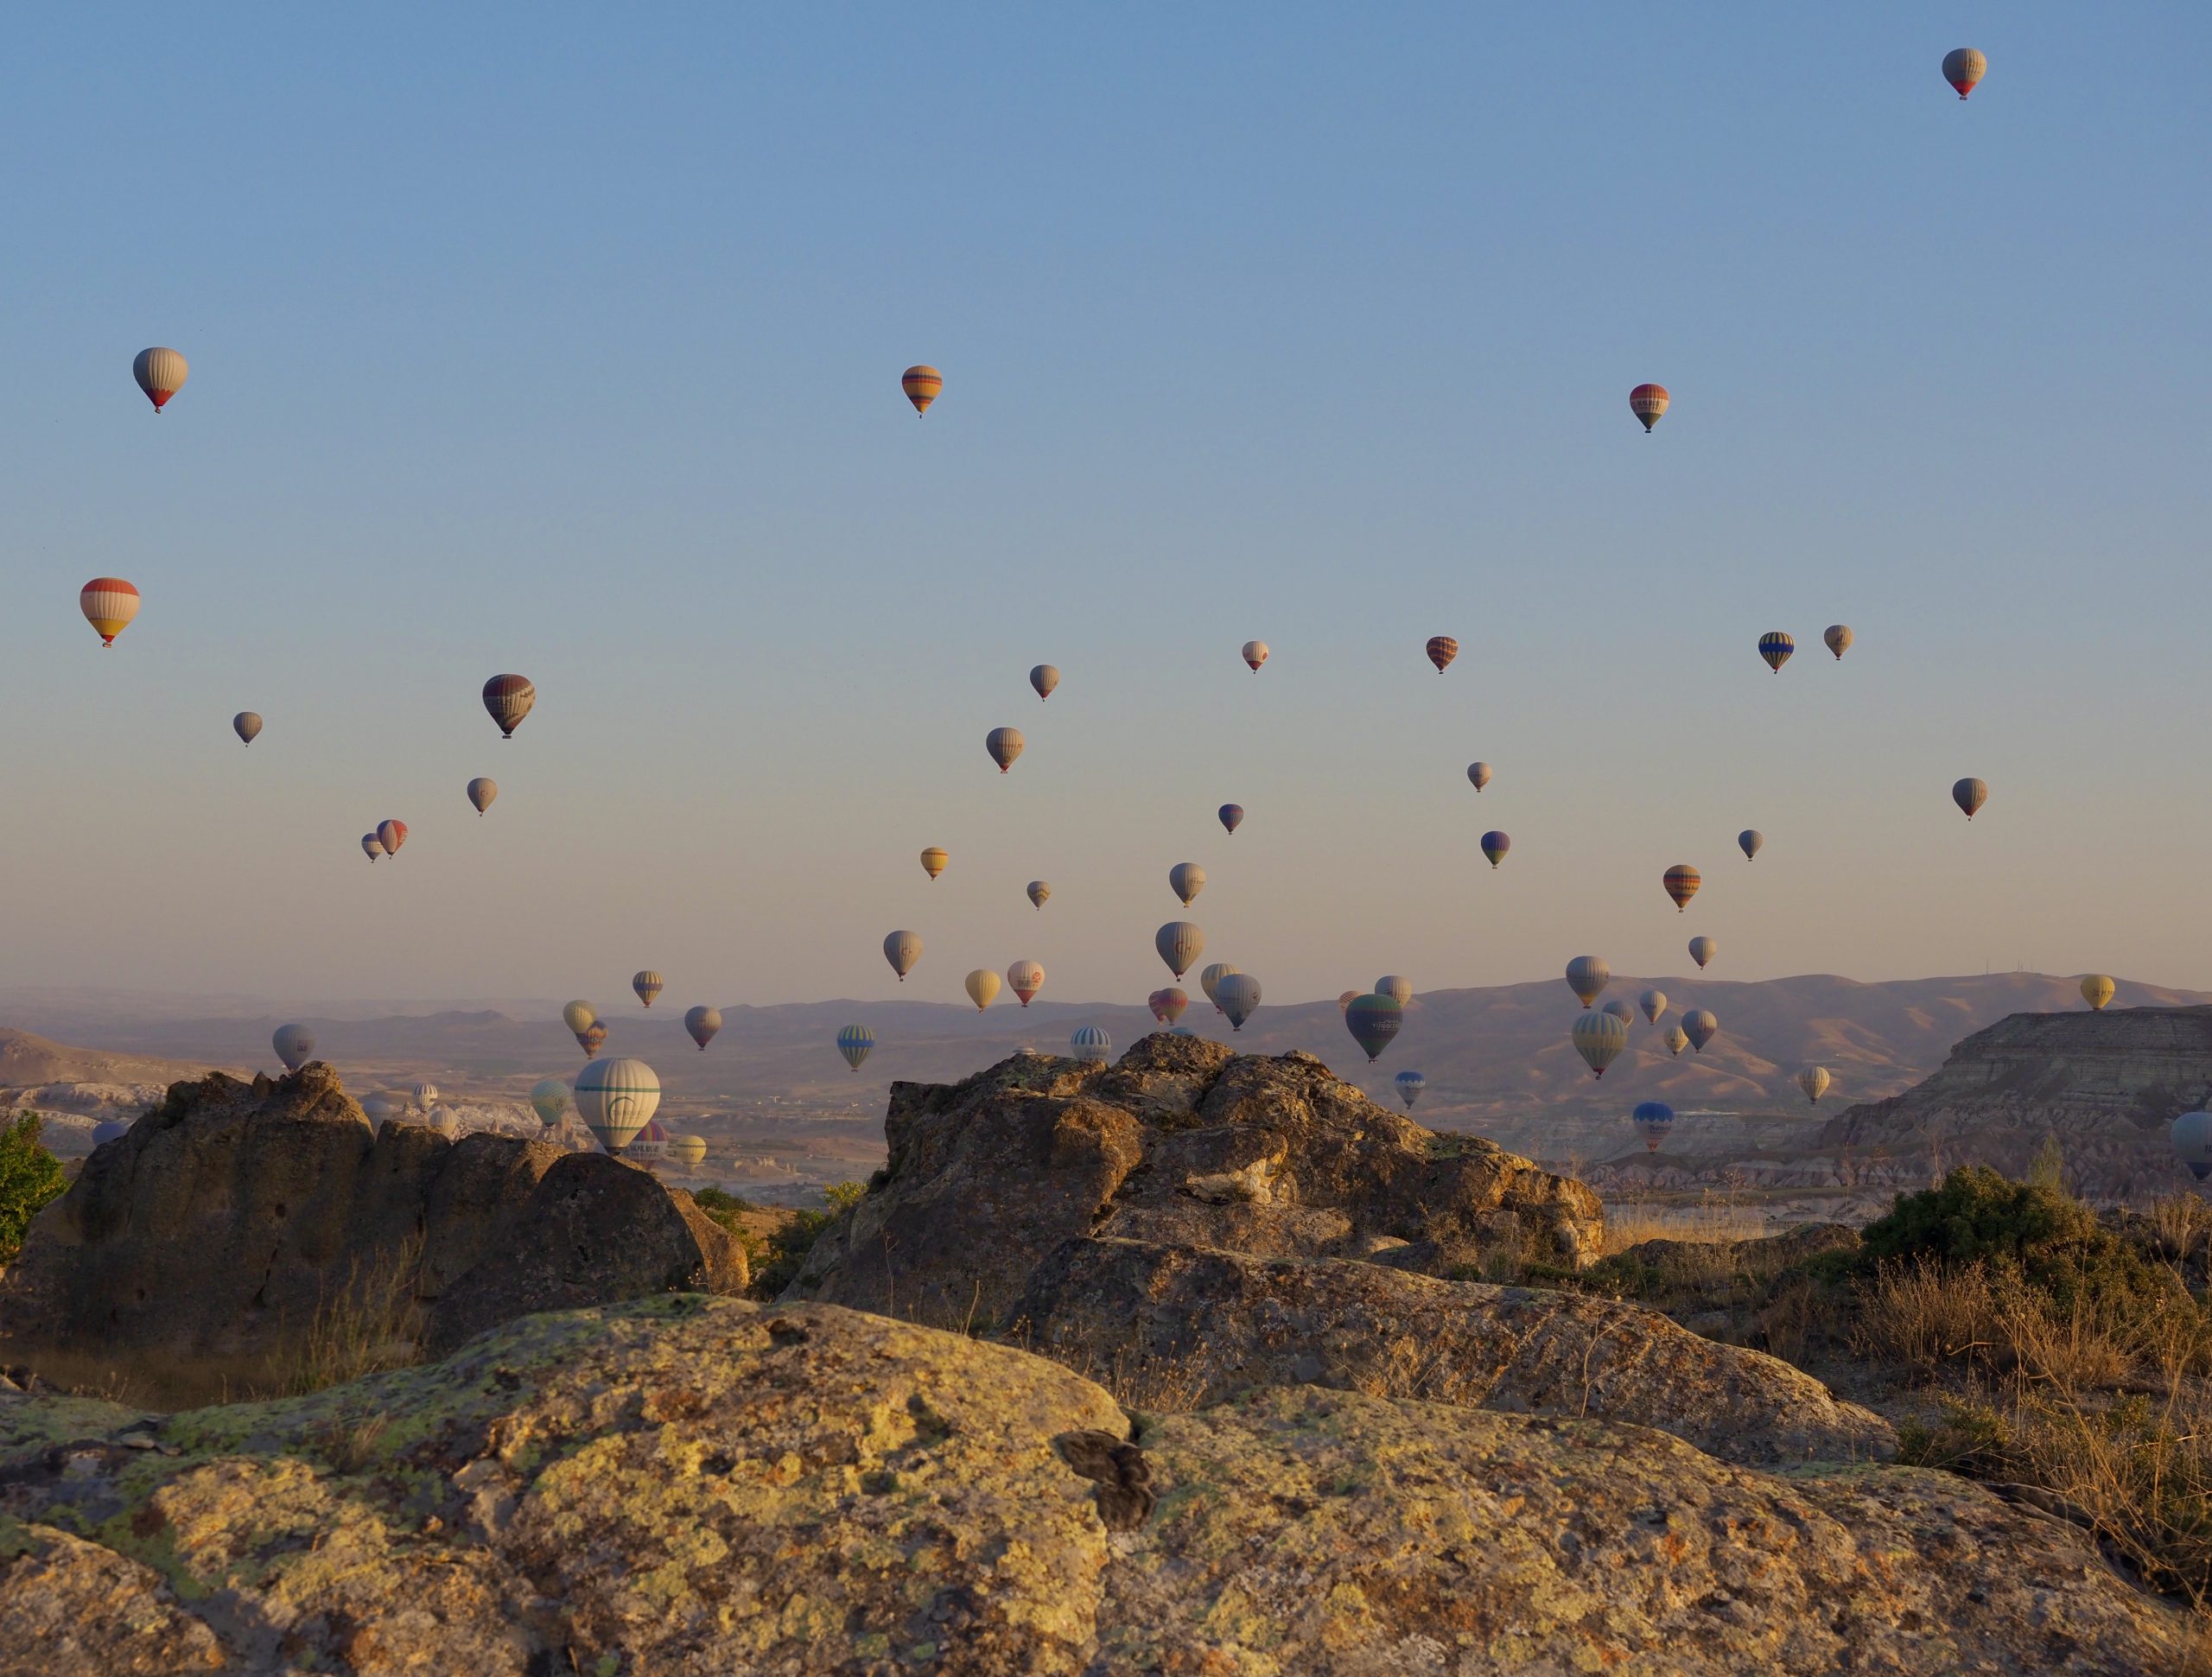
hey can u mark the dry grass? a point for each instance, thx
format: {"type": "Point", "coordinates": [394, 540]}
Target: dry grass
{"type": "Point", "coordinates": [1716, 1219]}
{"type": "Point", "coordinates": [371, 1323]}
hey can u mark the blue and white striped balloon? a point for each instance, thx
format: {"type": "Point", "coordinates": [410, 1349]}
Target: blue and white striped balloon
{"type": "Point", "coordinates": [1089, 1042]}
{"type": "Point", "coordinates": [1409, 1086]}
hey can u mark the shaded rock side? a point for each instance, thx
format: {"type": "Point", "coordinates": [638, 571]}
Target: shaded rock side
{"type": "Point", "coordinates": [695, 1485]}
{"type": "Point", "coordinates": [225, 1218]}
{"type": "Point", "coordinates": [1184, 1328]}
{"type": "Point", "coordinates": [1180, 1142]}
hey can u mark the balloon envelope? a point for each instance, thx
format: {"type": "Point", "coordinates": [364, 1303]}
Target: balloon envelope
{"type": "Point", "coordinates": [1255, 652]}
{"type": "Point", "coordinates": [1700, 1027]}
{"type": "Point", "coordinates": [934, 859]}
{"type": "Point", "coordinates": [371, 845]}
{"type": "Point", "coordinates": [1620, 1009]}
{"type": "Point", "coordinates": [391, 835]}
{"type": "Point", "coordinates": [1647, 402]}
{"type": "Point", "coordinates": [647, 984]}
{"type": "Point", "coordinates": [1025, 979]}
{"type": "Point", "coordinates": [1374, 1020]}
{"type": "Point", "coordinates": [902, 949]}
{"type": "Point", "coordinates": [549, 1097]}
{"type": "Point", "coordinates": [593, 1037]}
{"type": "Point", "coordinates": [689, 1151]}
{"type": "Point", "coordinates": [2192, 1136]}
{"type": "Point", "coordinates": [1479, 775]}
{"type": "Point", "coordinates": [293, 1044]}
{"type": "Point", "coordinates": [1969, 794]}
{"type": "Point", "coordinates": [578, 1016]}
{"type": "Point", "coordinates": [246, 725]}
{"type": "Point", "coordinates": [1442, 649]}
{"type": "Point", "coordinates": [616, 1099]}
{"type": "Point", "coordinates": [922, 385]}
{"type": "Point", "coordinates": [1210, 980]}
{"type": "Point", "coordinates": [982, 987]}
{"type": "Point", "coordinates": [1038, 891]}
{"type": "Point", "coordinates": [1676, 1040]}
{"type": "Point", "coordinates": [1495, 844]}
{"type": "Point", "coordinates": [1409, 1085]}
{"type": "Point", "coordinates": [855, 1042]}
{"type": "Point", "coordinates": [1044, 677]}
{"type": "Point", "coordinates": [1237, 996]}
{"type": "Point", "coordinates": [1815, 1080]}
{"type": "Point", "coordinates": [1090, 1044]}
{"type": "Point", "coordinates": [1179, 943]}
{"type": "Point", "coordinates": [1749, 841]}
{"type": "Point", "coordinates": [161, 373]}
{"type": "Point", "coordinates": [1681, 882]}
{"type": "Point", "coordinates": [1702, 949]}
{"type": "Point", "coordinates": [1587, 976]}
{"type": "Point", "coordinates": [1232, 816]}
{"type": "Point", "coordinates": [1964, 67]}
{"type": "Point", "coordinates": [1599, 1037]}
{"type": "Point", "coordinates": [1167, 1005]}
{"type": "Point", "coordinates": [1004, 744]}
{"type": "Point", "coordinates": [509, 699]}
{"type": "Point", "coordinates": [2097, 990]}
{"type": "Point", "coordinates": [1775, 648]}
{"type": "Point", "coordinates": [108, 603]}
{"type": "Point", "coordinates": [1399, 989]}
{"type": "Point", "coordinates": [481, 791]}
{"type": "Point", "coordinates": [1186, 879]}
{"type": "Point", "coordinates": [702, 1023]}
{"type": "Point", "coordinates": [1654, 1003]}
{"type": "Point", "coordinates": [1839, 638]}
{"type": "Point", "coordinates": [1652, 1119]}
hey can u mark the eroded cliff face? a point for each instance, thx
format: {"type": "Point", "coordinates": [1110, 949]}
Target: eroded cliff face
{"type": "Point", "coordinates": [216, 1229]}
{"type": "Point", "coordinates": [1180, 1142]}
{"type": "Point", "coordinates": [696, 1486]}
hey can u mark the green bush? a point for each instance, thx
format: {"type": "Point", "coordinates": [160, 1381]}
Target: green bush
{"type": "Point", "coordinates": [29, 1177]}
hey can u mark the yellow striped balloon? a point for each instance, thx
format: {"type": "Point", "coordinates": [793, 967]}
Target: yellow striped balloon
{"type": "Point", "coordinates": [578, 1016]}
{"type": "Point", "coordinates": [2097, 990]}
{"type": "Point", "coordinates": [648, 985]}
{"type": "Point", "coordinates": [1209, 982]}
{"type": "Point", "coordinates": [689, 1151]}
{"type": "Point", "coordinates": [922, 385]}
{"type": "Point", "coordinates": [933, 861]}
{"type": "Point", "coordinates": [1400, 990]}
{"type": "Point", "coordinates": [108, 603]}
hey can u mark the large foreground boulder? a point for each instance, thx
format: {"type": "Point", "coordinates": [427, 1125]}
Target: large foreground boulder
{"type": "Point", "coordinates": [211, 1235]}
{"type": "Point", "coordinates": [697, 1485]}
{"type": "Point", "coordinates": [1182, 1327]}
{"type": "Point", "coordinates": [1180, 1142]}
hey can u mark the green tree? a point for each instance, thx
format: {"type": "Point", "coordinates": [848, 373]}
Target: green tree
{"type": "Point", "coordinates": [29, 1177]}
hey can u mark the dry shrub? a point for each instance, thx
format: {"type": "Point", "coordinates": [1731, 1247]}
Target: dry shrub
{"type": "Point", "coordinates": [1924, 1317]}
{"type": "Point", "coordinates": [1716, 1219]}
{"type": "Point", "coordinates": [371, 1323]}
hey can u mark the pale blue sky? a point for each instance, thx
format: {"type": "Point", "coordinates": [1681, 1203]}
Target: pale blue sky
{"type": "Point", "coordinates": [566, 340]}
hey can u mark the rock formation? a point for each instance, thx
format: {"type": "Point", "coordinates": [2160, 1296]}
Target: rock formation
{"type": "Point", "coordinates": [691, 1484]}
{"type": "Point", "coordinates": [1180, 1142]}
{"type": "Point", "coordinates": [1206, 1325]}
{"type": "Point", "coordinates": [214, 1231]}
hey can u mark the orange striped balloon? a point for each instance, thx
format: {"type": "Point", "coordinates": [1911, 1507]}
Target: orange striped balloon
{"type": "Point", "coordinates": [922, 385]}
{"type": "Point", "coordinates": [1647, 402]}
{"type": "Point", "coordinates": [1681, 882]}
{"type": "Point", "coordinates": [509, 699]}
{"type": "Point", "coordinates": [1442, 649]}
{"type": "Point", "coordinates": [108, 603]}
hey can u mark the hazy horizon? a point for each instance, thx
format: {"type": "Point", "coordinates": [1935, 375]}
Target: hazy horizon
{"type": "Point", "coordinates": [555, 343]}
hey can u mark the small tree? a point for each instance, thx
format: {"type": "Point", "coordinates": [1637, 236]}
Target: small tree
{"type": "Point", "coordinates": [29, 1177]}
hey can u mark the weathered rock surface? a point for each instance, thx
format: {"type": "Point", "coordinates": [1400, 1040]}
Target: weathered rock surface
{"type": "Point", "coordinates": [215, 1229]}
{"type": "Point", "coordinates": [1180, 1142]}
{"type": "Point", "coordinates": [1189, 1327]}
{"type": "Point", "coordinates": [691, 1486]}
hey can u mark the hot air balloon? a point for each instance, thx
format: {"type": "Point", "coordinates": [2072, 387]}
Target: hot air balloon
{"type": "Point", "coordinates": [1232, 816]}
{"type": "Point", "coordinates": [1399, 989]}
{"type": "Point", "coordinates": [1236, 996]}
{"type": "Point", "coordinates": [372, 845]}
{"type": "Point", "coordinates": [982, 987]}
{"type": "Point", "coordinates": [855, 1042]}
{"type": "Point", "coordinates": [1179, 943]}
{"type": "Point", "coordinates": [549, 1097]}
{"type": "Point", "coordinates": [1775, 648]}
{"type": "Point", "coordinates": [1749, 841]}
{"type": "Point", "coordinates": [1815, 1080]}
{"type": "Point", "coordinates": [933, 861]}
{"type": "Point", "coordinates": [689, 1151]}
{"type": "Point", "coordinates": [246, 725]}
{"type": "Point", "coordinates": [293, 1044]}
{"type": "Point", "coordinates": [381, 1110]}
{"type": "Point", "coordinates": [1479, 775]}
{"type": "Point", "coordinates": [1654, 1003]}
{"type": "Point", "coordinates": [616, 1099]}
{"type": "Point", "coordinates": [425, 1096]}
{"type": "Point", "coordinates": [1702, 949]}
{"type": "Point", "coordinates": [594, 1037]}
{"type": "Point", "coordinates": [1495, 844]}
{"type": "Point", "coordinates": [442, 1121]}
{"type": "Point", "coordinates": [109, 1129]}
{"type": "Point", "coordinates": [1676, 1040]}
{"type": "Point", "coordinates": [578, 1016]}
{"type": "Point", "coordinates": [1599, 1037]}
{"type": "Point", "coordinates": [1025, 979]}
{"type": "Point", "coordinates": [1373, 1021]}
{"type": "Point", "coordinates": [647, 984]}
{"type": "Point", "coordinates": [1167, 1005]}
{"type": "Point", "coordinates": [921, 384]}
{"type": "Point", "coordinates": [391, 835]}
{"type": "Point", "coordinates": [1038, 891]}
{"type": "Point", "coordinates": [2192, 1134]}
{"type": "Point", "coordinates": [902, 949]}
{"type": "Point", "coordinates": [1090, 1044]}
{"type": "Point", "coordinates": [1347, 998]}
{"type": "Point", "coordinates": [161, 372]}
{"type": "Point", "coordinates": [481, 791]}
{"type": "Point", "coordinates": [1587, 976]}
{"type": "Point", "coordinates": [1969, 794]}
{"type": "Point", "coordinates": [1647, 402]}
{"type": "Point", "coordinates": [1409, 1085]}
{"type": "Point", "coordinates": [1210, 981]}
{"type": "Point", "coordinates": [1044, 677]}
{"type": "Point", "coordinates": [1652, 1119]}
{"type": "Point", "coordinates": [108, 603]}
{"type": "Point", "coordinates": [702, 1023]}
{"type": "Point", "coordinates": [2097, 990]}
{"type": "Point", "coordinates": [1255, 654]}
{"type": "Point", "coordinates": [509, 699]}
{"type": "Point", "coordinates": [1699, 1027]}
{"type": "Point", "coordinates": [1681, 882]}
{"type": "Point", "coordinates": [1621, 1009]}
{"type": "Point", "coordinates": [1186, 879]}
{"type": "Point", "coordinates": [1442, 649]}
{"type": "Point", "coordinates": [1004, 744]}
{"type": "Point", "coordinates": [1963, 67]}
{"type": "Point", "coordinates": [1839, 637]}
